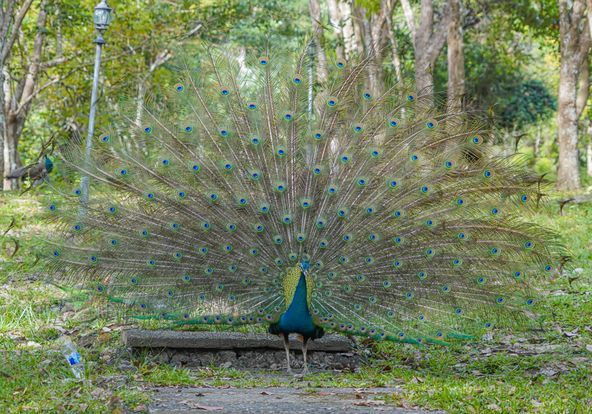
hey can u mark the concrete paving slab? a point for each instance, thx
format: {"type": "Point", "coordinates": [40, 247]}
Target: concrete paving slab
{"type": "Point", "coordinates": [273, 400]}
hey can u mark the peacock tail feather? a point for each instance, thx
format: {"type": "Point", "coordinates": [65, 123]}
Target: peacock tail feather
{"type": "Point", "coordinates": [414, 228]}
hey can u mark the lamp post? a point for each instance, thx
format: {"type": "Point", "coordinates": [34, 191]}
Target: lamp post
{"type": "Point", "coordinates": [102, 18]}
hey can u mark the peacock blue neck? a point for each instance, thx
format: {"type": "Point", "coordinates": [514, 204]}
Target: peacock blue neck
{"type": "Point", "coordinates": [297, 318]}
{"type": "Point", "coordinates": [48, 164]}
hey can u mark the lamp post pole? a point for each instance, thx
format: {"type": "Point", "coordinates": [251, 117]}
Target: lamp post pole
{"type": "Point", "coordinates": [102, 18]}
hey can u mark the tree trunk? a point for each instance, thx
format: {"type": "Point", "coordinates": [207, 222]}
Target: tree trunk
{"type": "Point", "coordinates": [337, 24]}
{"type": "Point", "coordinates": [588, 129]}
{"type": "Point", "coordinates": [2, 121]}
{"type": "Point", "coordinates": [574, 45]}
{"type": "Point", "coordinates": [349, 41]}
{"type": "Point", "coordinates": [395, 58]}
{"type": "Point", "coordinates": [11, 157]}
{"type": "Point", "coordinates": [358, 30]}
{"type": "Point", "coordinates": [373, 29]}
{"type": "Point", "coordinates": [583, 87]}
{"type": "Point", "coordinates": [424, 80]}
{"type": "Point", "coordinates": [589, 157]}
{"type": "Point", "coordinates": [17, 107]}
{"type": "Point", "coordinates": [428, 41]}
{"type": "Point", "coordinates": [581, 101]}
{"type": "Point", "coordinates": [456, 59]}
{"type": "Point", "coordinates": [317, 27]}
{"type": "Point", "coordinates": [374, 69]}
{"type": "Point", "coordinates": [568, 176]}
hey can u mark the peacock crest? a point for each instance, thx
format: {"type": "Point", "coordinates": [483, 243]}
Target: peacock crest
{"type": "Point", "coordinates": [208, 206]}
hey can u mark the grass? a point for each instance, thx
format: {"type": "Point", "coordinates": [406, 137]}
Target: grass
{"type": "Point", "coordinates": [546, 372]}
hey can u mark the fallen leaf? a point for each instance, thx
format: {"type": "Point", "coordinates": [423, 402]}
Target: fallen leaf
{"type": "Point", "coordinates": [370, 403]}
{"type": "Point", "coordinates": [548, 372]}
{"type": "Point", "coordinates": [494, 407]}
{"type": "Point", "coordinates": [536, 403]}
{"type": "Point", "coordinates": [571, 334]}
{"type": "Point", "coordinates": [197, 406]}
{"type": "Point", "coordinates": [206, 407]}
{"type": "Point", "coordinates": [486, 351]}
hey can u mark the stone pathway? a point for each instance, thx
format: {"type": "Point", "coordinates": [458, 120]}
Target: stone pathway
{"type": "Point", "coordinates": [273, 400]}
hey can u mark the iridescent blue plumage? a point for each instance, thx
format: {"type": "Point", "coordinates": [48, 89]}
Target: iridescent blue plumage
{"type": "Point", "coordinates": [297, 318]}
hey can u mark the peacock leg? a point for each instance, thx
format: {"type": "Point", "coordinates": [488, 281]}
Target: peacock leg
{"type": "Point", "coordinates": [304, 349]}
{"type": "Point", "coordinates": [287, 348]}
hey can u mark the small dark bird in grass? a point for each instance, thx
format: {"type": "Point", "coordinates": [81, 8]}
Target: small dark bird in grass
{"type": "Point", "coordinates": [35, 172]}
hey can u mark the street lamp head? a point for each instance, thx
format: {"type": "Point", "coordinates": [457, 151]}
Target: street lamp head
{"type": "Point", "coordinates": [102, 15]}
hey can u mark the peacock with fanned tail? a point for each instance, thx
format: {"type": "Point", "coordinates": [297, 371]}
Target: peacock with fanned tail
{"type": "Point", "coordinates": [251, 196]}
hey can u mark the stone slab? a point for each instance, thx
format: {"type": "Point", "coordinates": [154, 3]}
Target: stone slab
{"type": "Point", "coordinates": [139, 338]}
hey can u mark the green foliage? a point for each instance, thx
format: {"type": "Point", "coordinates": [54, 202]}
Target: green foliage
{"type": "Point", "coordinates": [544, 166]}
{"type": "Point", "coordinates": [253, 24]}
{"type": "Point", "coordinates": [507, 50]}
{"type": "Point", "coordinates": [528, 103]}
{"type": "Point", "coordinates": [140, 31]}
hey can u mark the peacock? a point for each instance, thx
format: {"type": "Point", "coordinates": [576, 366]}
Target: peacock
{"type": "Point", "coordinates": [36, 172]}
{"type": "Point", "coordinates": [246, 191]}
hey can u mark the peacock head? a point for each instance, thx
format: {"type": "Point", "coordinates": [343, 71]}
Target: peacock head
{"type": "Point", "coordinates": [305, 265]}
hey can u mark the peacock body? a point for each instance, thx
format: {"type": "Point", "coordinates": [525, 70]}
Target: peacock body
{"type": "Point", "coordinates": [250, 195]}
{"type": "Point", "coordinates": [35, 172]}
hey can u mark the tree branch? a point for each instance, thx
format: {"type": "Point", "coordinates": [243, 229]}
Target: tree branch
{"type": "Point", "coordinates": [4, 23]}
{"type": "Point", "coordinates": [438, 36]}
{"type": "Point", "coordinates": [408, 12]}
{"type": "Point", "coordinates": [59, 61]}
{"type": "Point", "coordinates": [15, 30]}
{"type": "Point", "coordinates": [33, 69]}
{"type": "Point", "coordinates": [5, 16]}
{"type": "Point", "coordinates": [590, 17]}
{"type": "Point", "coordinates": [37, 91]}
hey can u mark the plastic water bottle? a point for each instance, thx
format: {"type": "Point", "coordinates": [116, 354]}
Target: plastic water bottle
{"type": "Point", "coordinates": [72, 356]}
